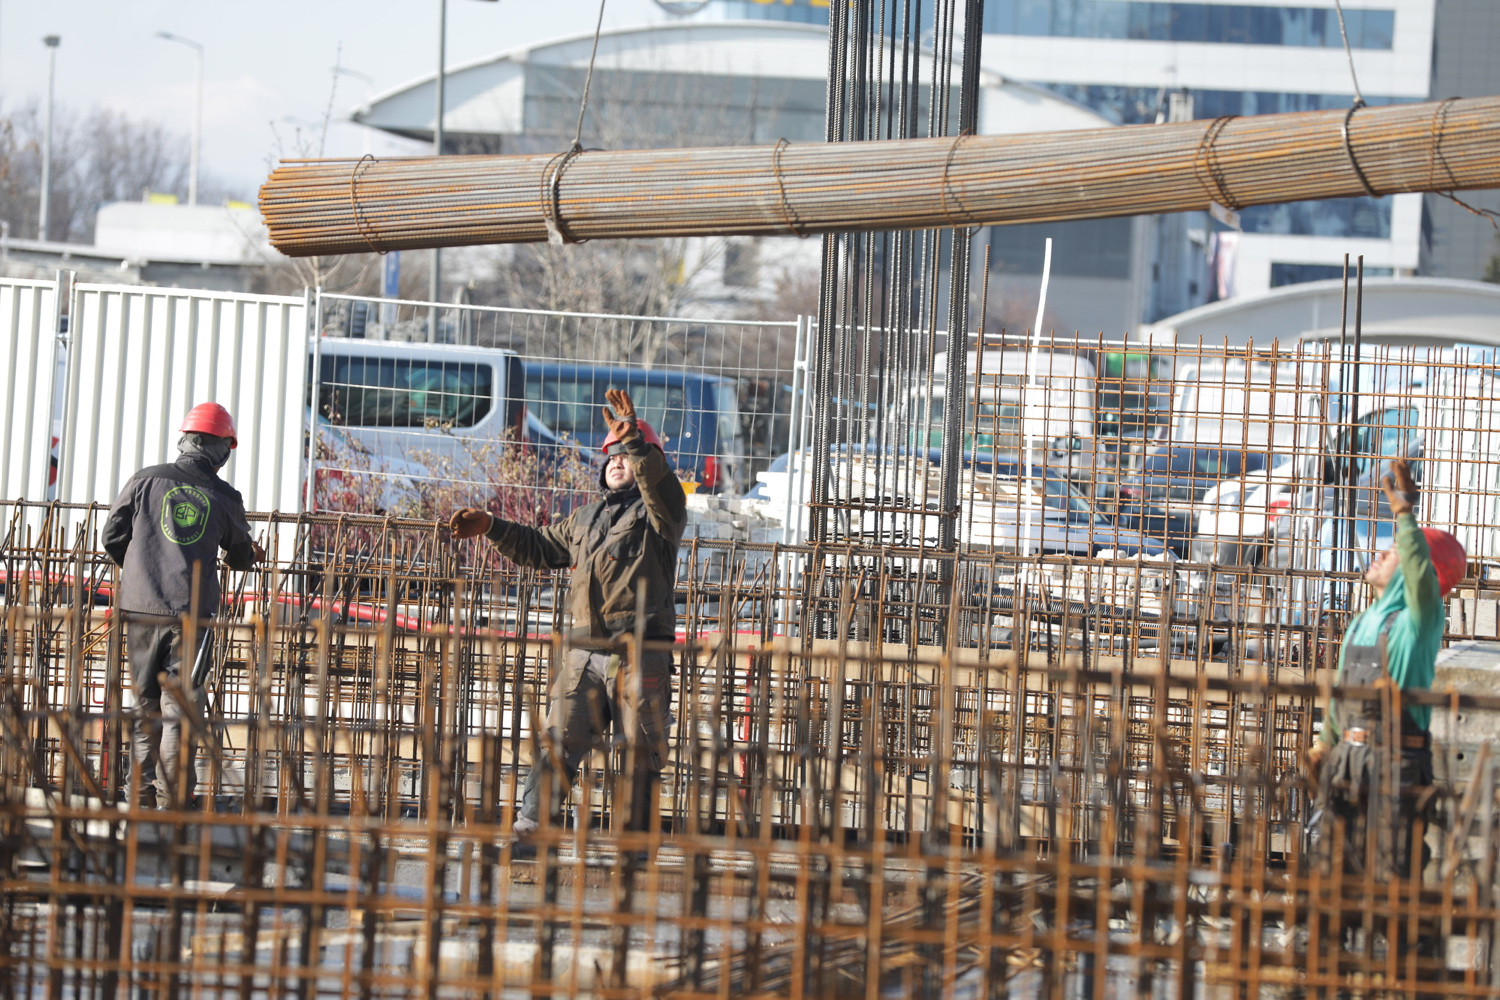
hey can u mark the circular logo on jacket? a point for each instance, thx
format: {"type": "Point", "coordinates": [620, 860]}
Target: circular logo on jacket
{"type": "Point", "coordinates": [184, 514]}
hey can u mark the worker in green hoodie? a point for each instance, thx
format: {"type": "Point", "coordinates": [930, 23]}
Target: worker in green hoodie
{"type": "Point", "coordinates": [1397, 638]}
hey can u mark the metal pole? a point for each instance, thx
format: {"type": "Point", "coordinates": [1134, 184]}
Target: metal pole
{"type": "Point", "coordinates": [197, 132]}
{"type": "Point", "coordinates": [1029, 396]}
{"type": "Point", "coordinates": [51, 41]}
{"type": "Point", "coordinates": [435, 290]}
{"type": "Point", "coordinates": [197, 141]}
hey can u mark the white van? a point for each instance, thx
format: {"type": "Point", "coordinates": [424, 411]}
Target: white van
{"type": "Point", "coordinates": [1037, 396]}
{"type": "Point", "coordinates": [393, 409]}
{"type": "Point", "coordinates": [397, 398]}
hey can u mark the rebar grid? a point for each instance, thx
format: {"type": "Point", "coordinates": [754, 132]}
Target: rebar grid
{"type": "Point", "coordinates": [859, 813]}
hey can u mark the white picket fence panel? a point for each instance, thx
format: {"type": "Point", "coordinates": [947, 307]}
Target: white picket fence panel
{"type": "Point", "coordinates": [29, 345]}
{"type": "Point", "coordinates": [140, 357]}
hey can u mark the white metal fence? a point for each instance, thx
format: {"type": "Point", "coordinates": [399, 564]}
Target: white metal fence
{"type": "Point", "coordinates": [114, 380]}
{"type": "Point", "coordinates": [29, 320]}
{"type": "Point", "coordinates": [400, 435]}
{"type": "Point", "coordinates": [140, 358]}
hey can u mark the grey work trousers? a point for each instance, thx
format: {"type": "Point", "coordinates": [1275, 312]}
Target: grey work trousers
{"type": "Point", "coordinates": [162, 741]}
{"type": "Point", "coordinates": [591, 691]}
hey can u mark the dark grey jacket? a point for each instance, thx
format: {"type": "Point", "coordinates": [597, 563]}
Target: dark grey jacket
{"type": "Point", "coordinates": [167, 518]}
{"type": "Point", "coordinates": [628, 539]}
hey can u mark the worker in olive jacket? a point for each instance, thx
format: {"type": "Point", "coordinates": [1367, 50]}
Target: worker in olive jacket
{"type": "Point", "coordinates": [166, 527]}
{"type": "Point", "coordinates": [619, 547]}
{"type": "Point", "coordinates": [1395, 640]}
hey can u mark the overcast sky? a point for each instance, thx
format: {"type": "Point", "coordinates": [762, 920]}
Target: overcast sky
{"type": "Point", "coordinates": [267, 61]}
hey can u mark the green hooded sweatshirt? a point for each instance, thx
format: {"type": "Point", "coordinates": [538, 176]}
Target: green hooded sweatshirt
{"type": "Point", "coordinates": [1416, 635]}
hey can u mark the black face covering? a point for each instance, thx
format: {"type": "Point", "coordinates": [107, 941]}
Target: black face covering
{"type": "Point", "coordinates": [215, 450]}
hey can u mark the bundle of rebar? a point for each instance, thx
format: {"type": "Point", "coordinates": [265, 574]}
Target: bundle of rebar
{"type": "Point", "coordinates": [314, 207]}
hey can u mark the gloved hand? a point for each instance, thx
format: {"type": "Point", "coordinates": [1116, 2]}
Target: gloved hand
{"type": "Point", "coordinates": [1400, 492]}
{"type": "Point", "coordinates": [257, 553]}
{"type": "Point", "coordinates": [470, 523]}
{"type": "Point", "coordinates": [621, 421]}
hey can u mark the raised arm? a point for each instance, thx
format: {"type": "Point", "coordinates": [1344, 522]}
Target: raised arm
{"type": "Point", "coordinates": [1424, 601]}
{"type": "Point", "coordinates": [661, 490]}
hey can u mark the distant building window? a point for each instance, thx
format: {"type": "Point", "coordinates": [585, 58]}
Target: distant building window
{"type": "Point", "coordinates": [1138, 105]}
{"type": "Point", "coordinates": [742, 264]}
{"type": "Point", "coordinates": [1090, 248]}
{"type": "Point", "coordinates": [1297, 274]}
{"type": "Point", "coordinates": [1156, 20]}
{"type": "Point", "coordinates": [801, 11]}
{"type": "Point", "coordinates": [1344, 217]}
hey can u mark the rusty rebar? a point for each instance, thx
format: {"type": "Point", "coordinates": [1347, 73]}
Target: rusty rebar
{"type": "Point", "coordinates": [314, 207]}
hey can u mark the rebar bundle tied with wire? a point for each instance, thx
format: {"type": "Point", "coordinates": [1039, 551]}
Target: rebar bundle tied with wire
{"type": "Point", "coordinates": [316, 207]}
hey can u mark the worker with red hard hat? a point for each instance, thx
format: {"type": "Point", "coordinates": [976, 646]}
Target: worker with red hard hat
{"type": "Point", "coordinates": [623, 554]}
{"type": "Point", "coordinates": [1395, 640]}
{"type": "Point", "coordinates": [165, 531]}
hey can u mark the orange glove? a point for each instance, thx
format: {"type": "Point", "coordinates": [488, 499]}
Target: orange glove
{"type": "Point", "coordinates": [470, 523]}
{"type": "Point", "coordinates": [620, 421]}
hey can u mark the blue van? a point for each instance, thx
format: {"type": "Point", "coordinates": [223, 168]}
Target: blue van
{"type": "Point", "coordinates": [698, 416]}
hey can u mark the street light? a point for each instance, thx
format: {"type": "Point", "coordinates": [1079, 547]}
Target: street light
{"type": "Point", "coordinates": [197, 112]}
{"type": "Point", "coordinates": [52, 42]}
{"type": "Point", "coordinates": [435, 291]}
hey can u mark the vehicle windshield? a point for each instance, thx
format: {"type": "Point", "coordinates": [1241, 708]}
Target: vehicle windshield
{"type": "Point", "coordinates": [397, 392]}
{"type": "Point", "coordinates": [1063, 495]}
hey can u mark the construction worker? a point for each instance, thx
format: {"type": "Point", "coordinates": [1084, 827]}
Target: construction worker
{"type": "Point", "coordinates": [622, 550]}
{"type": "Point", "coordinates": [1395, 639]}
{"type": "Point", "coordinates": [165, 531]}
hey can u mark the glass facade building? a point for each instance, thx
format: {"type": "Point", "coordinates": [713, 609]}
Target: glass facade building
{"type": "Point", "coordinates": [1147, 20]}
{"type": "Point", "coordinates": [1208, 23]}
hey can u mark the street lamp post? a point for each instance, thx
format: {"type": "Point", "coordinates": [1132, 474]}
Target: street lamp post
{"type": "Point", "coordinates": [52, 42]}
{"type": "Point", "coordinates": [435, 288]}
{"type": "Point", "coordinates": [197, 113]}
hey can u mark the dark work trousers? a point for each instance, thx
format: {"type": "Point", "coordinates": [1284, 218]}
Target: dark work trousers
{"type": "Point", "coordinates": [590, 692]}
{"type": "Point", "coordinates": [1352, 791]}
{"type": "Point", "coordinates": [161, 738]}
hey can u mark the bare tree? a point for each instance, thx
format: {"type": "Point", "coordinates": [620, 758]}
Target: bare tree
{"type": "Point", "coordinates": [97, 158]}
{"type": "Point", "coordinates": [355, 274]}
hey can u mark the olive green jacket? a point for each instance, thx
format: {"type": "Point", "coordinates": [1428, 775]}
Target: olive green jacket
{"type": "Point", "coordinates": [626, 541]}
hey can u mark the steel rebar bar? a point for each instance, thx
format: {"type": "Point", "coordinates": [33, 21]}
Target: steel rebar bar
{"type": "Point", "coordinates": [353, 206]}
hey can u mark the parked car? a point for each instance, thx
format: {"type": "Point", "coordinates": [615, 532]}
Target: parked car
{"type": "Point", "coordinates": [1241, 521]}
{"type": "Point", "coordinates": [697, 415]}
{"type": "Point", "coordinates": [1043, 511]}
{"type": "Point", "coordinates": [1162, 498]}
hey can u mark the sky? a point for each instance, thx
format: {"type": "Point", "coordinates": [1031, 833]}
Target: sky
{"type": "Point", "coordinates": [268, 63]}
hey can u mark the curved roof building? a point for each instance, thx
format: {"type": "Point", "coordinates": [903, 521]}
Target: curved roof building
{"type": "Point", "coordinates": [751, 82]}
{"type": "Point", "coordinates": [689, 83]}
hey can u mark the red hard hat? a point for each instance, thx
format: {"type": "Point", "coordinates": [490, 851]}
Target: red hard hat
{"type": "Point", "coordinates": [211, 418]}
{"type": "Point", "coordinates": [647, 434]}
{"type": "Point", "coordinates": [1448, 558]}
